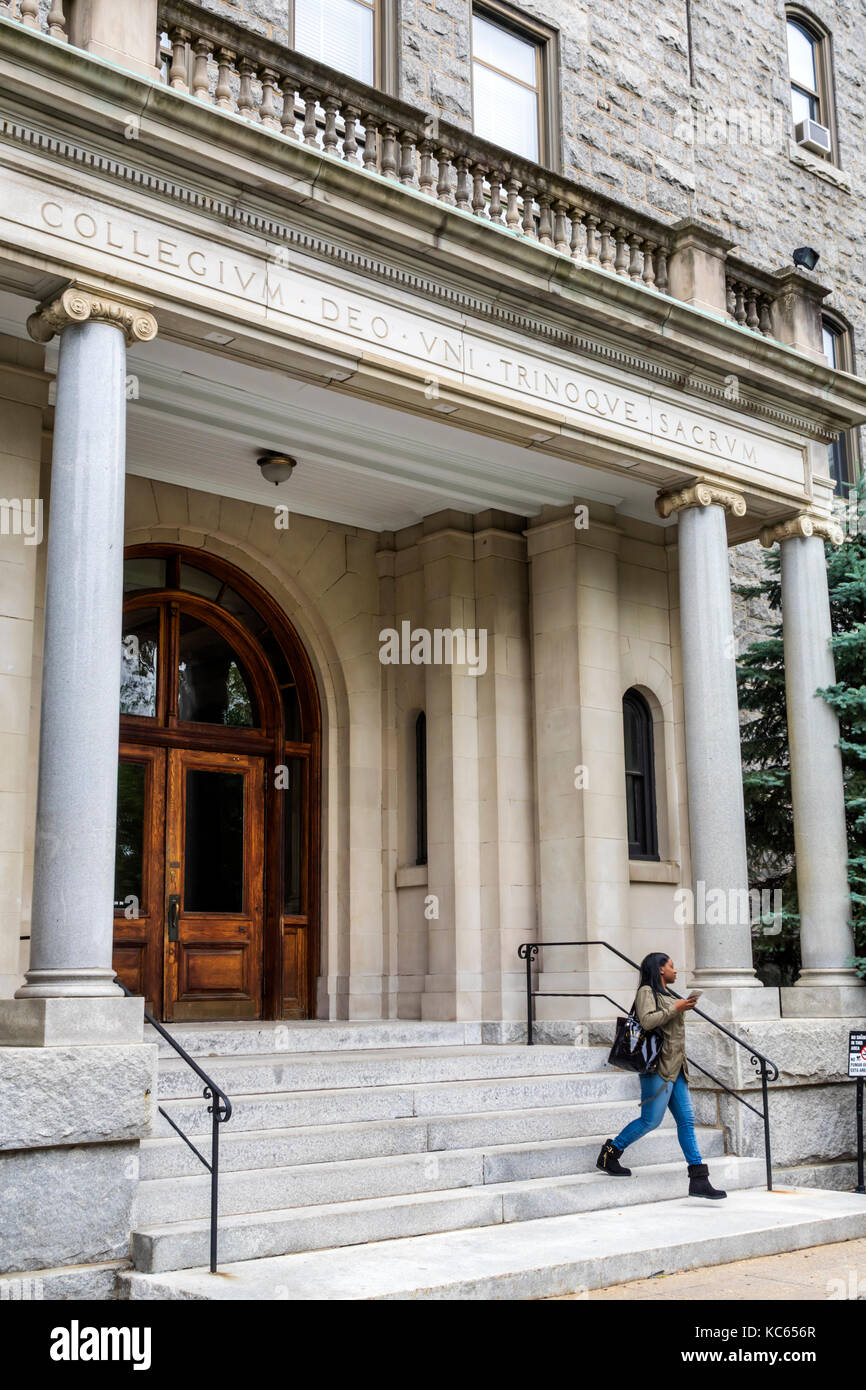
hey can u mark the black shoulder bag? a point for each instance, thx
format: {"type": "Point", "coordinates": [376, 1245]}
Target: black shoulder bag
{"type": "Point", "coordinates": [635, 1049]}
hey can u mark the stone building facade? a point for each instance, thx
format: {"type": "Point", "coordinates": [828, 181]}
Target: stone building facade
{"type": "Point", "coordinates": [521, 412]}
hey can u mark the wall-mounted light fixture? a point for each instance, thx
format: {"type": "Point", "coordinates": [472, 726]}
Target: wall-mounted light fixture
{"type": "Point", "coordinates": [806, 257]}
{"type": "Point", "coordinates": [276, 468]}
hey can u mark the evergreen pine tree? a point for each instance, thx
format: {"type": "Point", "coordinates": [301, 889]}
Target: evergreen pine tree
{"type": "Point", "coordinates": [766, 768]}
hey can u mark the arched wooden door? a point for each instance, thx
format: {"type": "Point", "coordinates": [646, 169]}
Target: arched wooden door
{"type": "Point", "coordinates": [217, 870]}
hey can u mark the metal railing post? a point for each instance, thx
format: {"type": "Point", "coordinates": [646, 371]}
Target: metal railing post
{"type": "Point", "coordinates": [215, 1109]}
{"type": "Point", "coordinates": [766, 1101]}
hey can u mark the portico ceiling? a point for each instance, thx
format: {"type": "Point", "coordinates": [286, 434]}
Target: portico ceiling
{"type": "Point", "coordinates": [201, 419]}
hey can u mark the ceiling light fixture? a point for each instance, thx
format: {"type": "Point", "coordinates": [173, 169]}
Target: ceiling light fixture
{"type": "Point", "coordinates": [276, 468]}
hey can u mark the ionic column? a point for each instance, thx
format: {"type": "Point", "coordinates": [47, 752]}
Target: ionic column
{"type": "Point", "coordinates": [723, 949]}
{"type": "Point", "coordinates": [826, 985]}
{"type": "Point", "coordinates": [73, 888]}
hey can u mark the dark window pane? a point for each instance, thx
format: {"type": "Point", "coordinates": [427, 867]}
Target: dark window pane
{"type": "Point", "coordinates": [240, 609]}
{"type": "Point", "coordinates": [196, 581]}
{"type": "Point", "coordinates": [274, 652]}
{"type": "Point", "coordinates": [421, 789]}
{"type": "Point", "coordinates": [212, 687]}
{"type": "Point", "coordinates": [138, 662]}
{"type": "Point", "coordinates": [293, 835]}
{"type": "Point", "coordinates": [292, 714]}
{"type": "Point", "coordinates": [129, 845]}
{"type": "Point", "coordinates": [143, 573]}
{"type": "Point", "coordinates": [214, 862]}
{"type": "Point", "coordinates": [639, 777]}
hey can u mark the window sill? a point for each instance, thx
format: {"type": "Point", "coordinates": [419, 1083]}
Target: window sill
{"type": "Point", "coordinates": [412, 876]}
{"type": "Point", "coordinates": [830, 173]}
{"type": "Point", "coordinates": [653, 871]}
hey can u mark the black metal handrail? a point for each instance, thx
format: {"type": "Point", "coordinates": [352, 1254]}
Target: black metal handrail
{"type": "Point", "coordinates": [767, 1069]}
{"type": "Point", "coordinates": [220, 1111]}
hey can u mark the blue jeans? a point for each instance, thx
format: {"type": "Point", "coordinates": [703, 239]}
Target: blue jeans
{"type": "Point", "coordinates": [670, 1093]}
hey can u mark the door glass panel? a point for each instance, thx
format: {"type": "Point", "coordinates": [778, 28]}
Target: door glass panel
{"type": "Point", "coordinates": [196, 581]}
{"type": "Point", "coordinates": [143, 573]}
{"type": "Point", "coordinates": [292, 714]}
{"type": "Point", "coordinates": [138, 665]}
{"type": "Point", "coordinates": [214, 841]}
{"type": "Point", "coordinates": [240, 609]}
{"type": "Point", "coordinates": [212, 688]}
{"type": "Point", "coordinates": [293, 835]}
{"type": "Point", "coordinates": [129, 846]}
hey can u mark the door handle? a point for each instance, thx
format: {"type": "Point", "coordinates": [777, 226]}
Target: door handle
{"type": "Point", "coordinates": [173, 914]}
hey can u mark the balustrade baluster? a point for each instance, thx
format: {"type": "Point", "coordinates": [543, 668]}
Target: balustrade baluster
{"type": "Point", "coordinates": [730, 298]}
{"type": "Point", "coordinates": [287, 120]}
{"type": "Point", "coordinates": [444, 185]}
{"type": "Point", "coordinates": [463, 190]}
{"type": "Point", "coordinates": [479, 201]}
{"type": "Point", "coordinates": [620, 263]}
{"type": "Point", "coordinates": [528, 211]}
{"type": "Point", "coordinates": [330, 138]}
{"type": "Point", "coordinates": [351, 116]}
{"type": "Point", "coordinates": [57, 20]}
{"type": "Point", "coordinates": [649, 272]}
{"type": "Point", "coordinates": [592, 238]}
{"type": "Point", "coordinates": [494, 211]}
{"type": "Point", "coordinates": [753, 320]}
{"type": "Point", "coordinates": [426, 173]}
{"type": "Point", "coordinates": [311, 129]}
{"type": "Point", "coordinates": [389, 152]}
{"type": "Point", "coordinates": [662, 270]}
{"type": "Point", "coordinates": [512, 212]}
{"type": "Point", "coordinates": [634, 266]}
{"type": "Point", "coordinates": [30, 13]}
{"type": "Point", "coordinates": [371, 142]}
{"type": "Point", "coordinates": [560, 227]}
{"type": "Point", "coordinates": [177, 71]}
{"type": "Point", "coordinates": [225, 62]}
{"type": "Point", "coordinates": [200, 84]}
{"type": "Point", "coordinates": [545, 220]}
{"type": "Point", "coordinates": [408, 161]}
{"type": "Point", "coordinates": [246, 108]}
{"type": "Point", "coordinates": [576, 216]}
{"type": "Point", "coordinates": [606, 254]}
{"type": "Point", "coordinates": [268, 109]}
{"type": "Point", "coordinates": [765, 325]}
{"type": "Point", "coordinates": [739, 303]}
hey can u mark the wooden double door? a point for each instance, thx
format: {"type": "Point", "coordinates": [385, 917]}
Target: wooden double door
{"type": "Point", "coordinates": [217, 862]}
{"type": "Point", "coordinates": [191, 835]}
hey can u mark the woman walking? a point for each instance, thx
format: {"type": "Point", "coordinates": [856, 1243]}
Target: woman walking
{"type": "Point", "coordinates": [669, 1086]}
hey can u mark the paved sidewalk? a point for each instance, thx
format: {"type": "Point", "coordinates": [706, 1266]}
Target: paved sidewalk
{"type": "Point", "coordinates": [823, 1272]}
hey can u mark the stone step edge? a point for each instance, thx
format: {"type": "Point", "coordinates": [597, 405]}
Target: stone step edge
{"type": "Point", "coordinates": [169, 1142]}
{"type": "Point", "coordinates": [603, 1106]}
{"type": "Point", "coordinates": [379, 1054]}
{"type": "Point", "coordinates": [551, 1182]}
{"type": "Point", "coordinates": [515, 1278]}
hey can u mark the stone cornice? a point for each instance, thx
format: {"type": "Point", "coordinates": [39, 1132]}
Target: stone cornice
{"type": "Point", "coordinates": [230, 213]}
{"type": "Point", "coordinates": [77, 304]}
{"type": "Point", "coordinates": [804, 525]}
{"type": "Point", "coordinates": [701, 495]}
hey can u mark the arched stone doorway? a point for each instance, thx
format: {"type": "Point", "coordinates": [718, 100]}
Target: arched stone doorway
{"type": "Point", "coordinates": [218, 842]}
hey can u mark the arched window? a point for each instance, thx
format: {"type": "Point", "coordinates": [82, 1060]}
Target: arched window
{"type": "Point", "coordinates": [810, 72]}
{"type": "Point", "coordinates": [639, 777]}
{"type": "Point", "coordinates": [839, 352]}
{"type": "Point", "coordinates": [421, 788]}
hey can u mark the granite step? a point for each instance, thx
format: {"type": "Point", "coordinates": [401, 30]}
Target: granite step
{"type": "Point", "coordinates": [401, 1218]}
{"type": "Point", "coordinates": [280, 1148]}
{"type": "Point", "coordinates": [561, 1107]}
{"type": "Point", "coordinates": [265, 1072]}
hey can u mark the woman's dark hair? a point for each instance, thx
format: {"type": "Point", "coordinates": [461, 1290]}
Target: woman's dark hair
{"type": "Point", "coordinates": [650, 972]}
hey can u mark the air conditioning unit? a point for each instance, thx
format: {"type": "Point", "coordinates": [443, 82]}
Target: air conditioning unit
{"type": "Point", "coordinates": [813, 136]}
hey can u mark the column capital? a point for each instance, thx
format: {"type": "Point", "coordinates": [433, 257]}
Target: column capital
{"type": "Point", "coordinates": [701, 495]}
{"type": "Point", "coordinates": [80, 304]}
{"type": "Point", "coordinates": [805, 524]}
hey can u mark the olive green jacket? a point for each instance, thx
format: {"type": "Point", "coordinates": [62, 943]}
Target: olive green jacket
{"type": "Point", "coordinates": [665, 1016]}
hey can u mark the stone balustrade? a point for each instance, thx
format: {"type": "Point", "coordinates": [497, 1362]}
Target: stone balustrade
{"type": "Point", "coordinates": [224, 64]}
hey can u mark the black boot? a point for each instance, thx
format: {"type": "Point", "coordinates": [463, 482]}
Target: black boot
{"type": "Point", "coordinates": [699, 1182]}
{"type": "Point", "coordinates": [608, 1160]}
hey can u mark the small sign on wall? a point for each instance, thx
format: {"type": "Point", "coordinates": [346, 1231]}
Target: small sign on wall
{"type": "Point", "coordinates": [857, 1053]}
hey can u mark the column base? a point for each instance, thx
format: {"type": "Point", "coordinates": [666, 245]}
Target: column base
{"type": "Point", "coordinates": [807, 1000]}
{"type": "Point", "coordinates": [71, 1022]}
{"type": "Point", "coordinates": [82, 982]}
{"type": "Point", "coordinates": [744, 1002]}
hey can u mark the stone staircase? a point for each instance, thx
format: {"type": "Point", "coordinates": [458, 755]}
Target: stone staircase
{"type": "Point", "coordinates": [385, 1136]}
